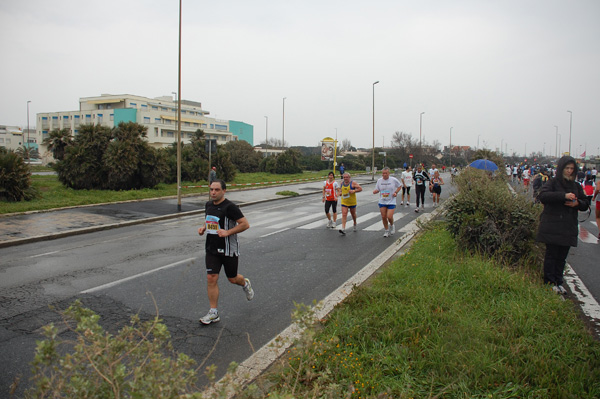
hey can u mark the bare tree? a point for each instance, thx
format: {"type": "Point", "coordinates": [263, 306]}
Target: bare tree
{"type": "Point", "coordinates": [346, 145]}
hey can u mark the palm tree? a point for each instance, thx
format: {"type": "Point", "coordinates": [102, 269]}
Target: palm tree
{"type": "Point", "coordinates": [57, 141]}
{"type": "Point", "coordinates": [27, 152]}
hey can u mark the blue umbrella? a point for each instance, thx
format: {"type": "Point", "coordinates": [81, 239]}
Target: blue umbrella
{"type": "Point", "coordinates": [484, 164]}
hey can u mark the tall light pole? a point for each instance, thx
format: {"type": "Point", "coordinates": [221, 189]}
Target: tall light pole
{"type": "Point", "coordinates": [570, 128]}
{"type": "Point", "coordinates": [175, 94]}
{"type": "Point", "coordinates": [450, 147]}
{"type": "Point", "coordinates": [559, 141]}
{"type": "Point", "coordinates": [28, 128]}
{"type": "Point", "coordinates": [179, 120]}
{"type": "Point", "coordinates": [283, 125]}
{"type": "Point", "coordinates": [420, 134]}
{"type": "Point", "coordinates": [267, 136]}
{"type": "Point", "coordinates": [556, 142]}
{"type": "Point", "coordinates": [373, 155]}
{"type": "Point", "coordinates": [478, 136]}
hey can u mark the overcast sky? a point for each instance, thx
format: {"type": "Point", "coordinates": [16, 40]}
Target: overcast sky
{"type": "Point", "coordinates": [495, 71]}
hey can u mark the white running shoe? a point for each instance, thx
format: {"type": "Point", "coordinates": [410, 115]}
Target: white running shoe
{"type": "Point", "coordinates": [386, 234]}
{"type": "Point", "coordinates": [354, 229]}
{"type": "Point", "coordinates": [211, 317]}
{"type": "Point", "coordinates": [392, 229]}
{"type": "Point", "coordinates": [328, 224]}
{"type": "Point", "coordinates": [401, 203]}
{"type": "Point", "coordinates": [332, 224]}
{"type": "Point", "coordinates": [417, 210]}
{"type": "Point", "coordinates": [248, 290]}
{"type": "Point", "coordinates": [342, 232]}
{"type": "Point", "coordinates": [407, 205]}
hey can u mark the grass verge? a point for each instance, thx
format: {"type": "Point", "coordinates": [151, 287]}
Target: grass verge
{"type": "Point", "coordinates": [441, 323]}
{"type": "Point", "coordinates": [54, 195]}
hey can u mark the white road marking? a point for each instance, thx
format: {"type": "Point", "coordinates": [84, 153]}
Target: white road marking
{"type": "Point", "coordinates": [378, 226]}
{"type": "Point", "coordinates": [293, 220]}
{"type": "Point", "coordinates": [589, 305]}
{"type": "Point", "coordinates": [44, 254]}
{"type": "Point", "coordinates": [275, 232]}
{"type": "Point", "coordinates": [117, 282]}
{"type": "Point", "coordinates": [586, 236]}
{"type": "Point", "coordinates": [268, 217]}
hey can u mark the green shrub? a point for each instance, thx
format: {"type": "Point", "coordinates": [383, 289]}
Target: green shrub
{"type": "Point", "coordinates": [15, 178]}
{"type": "Point", "coordinates": [486, 217]}
{"type": "Point", "coordinates": [111, 159]}
{"type": "Point", "coordinates": [131, 364]}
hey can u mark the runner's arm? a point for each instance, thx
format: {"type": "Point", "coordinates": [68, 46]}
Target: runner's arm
{"type": "Point", "coordinates": [242, 225]}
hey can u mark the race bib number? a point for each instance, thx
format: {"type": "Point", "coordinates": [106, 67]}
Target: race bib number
{"type": "Point", "coordinates": [386, 194]}
{"type": "Point", "coordinates": [212, 224]}
{"type": "Point", "coordinates": [345, 192]}
{"type": "Point", "coordinates": [328, 192]}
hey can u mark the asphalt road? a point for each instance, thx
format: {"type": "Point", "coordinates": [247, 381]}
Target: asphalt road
{"type": "Point", "coordinates": [287, 253]}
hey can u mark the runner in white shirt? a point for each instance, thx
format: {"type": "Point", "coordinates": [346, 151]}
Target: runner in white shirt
{"type": "Point", "coordinates": [387, 187]}
{"type": "Point", "coordinates": [407, 183]}
{"type": "Point", "coordinates": [431, 174]}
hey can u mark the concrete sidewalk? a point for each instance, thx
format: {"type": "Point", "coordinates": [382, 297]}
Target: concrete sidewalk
{"type": "Point", "coordinates": [49, 225]}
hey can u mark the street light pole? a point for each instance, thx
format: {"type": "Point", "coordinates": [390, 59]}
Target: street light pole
{"type": "Point", "coordinates": [283, 126]}
{"type": "Point", "coordinates": [420, 131]}
{"type": "Point", "coordinates": [373, 155]}
{"type": "Point", "coordinates": [570, 128]}
{"type": "Point", "coordinates": [179, 120]}
{"type": "Point", "coordinates": [28, 129]}
{"type": "Point", "coordinates": [556, 142]}
{"type": "Point", "coordinates": [450, 147]}
{"type": "Point", "coordinates": [267, 136]}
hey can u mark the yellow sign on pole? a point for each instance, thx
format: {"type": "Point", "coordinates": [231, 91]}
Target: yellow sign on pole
{"type": "Point", "coordinates": [329, 151]}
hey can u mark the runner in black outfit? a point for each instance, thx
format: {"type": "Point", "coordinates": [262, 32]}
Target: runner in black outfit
{"type": "Point", "coordinates": [420, 178]}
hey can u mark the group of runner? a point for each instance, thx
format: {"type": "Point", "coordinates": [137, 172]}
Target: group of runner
{"type": "Point", "coordinates": [388, 188]}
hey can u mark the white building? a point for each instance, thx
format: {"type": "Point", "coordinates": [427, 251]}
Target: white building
{"type": "Point", "coordinates": [159, 115]}
{"type": "Point", "coordinates": [13, 137]}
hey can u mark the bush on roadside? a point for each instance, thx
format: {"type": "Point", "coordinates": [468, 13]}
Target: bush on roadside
{"type": "Point", "coordinates": [15, 178]}
{"type": "Point", "coordinates": [111, 159]}
{"type": "Point", "coordinates": [486, 217]}
{"type": "Point", "coordinates": [287, 162]}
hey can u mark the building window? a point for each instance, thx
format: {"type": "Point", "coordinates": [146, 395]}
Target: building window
{"type": "Point", "coordinates": [146, 119]}
{"type": "Point", "coordinates": [100, 117]}
{"type": "Point", "coordinates": [221, 127]}
{"type": "Point", "coordinates": [112, 117]}
{"type": "Point", "coordinates": [154, 107]}
{"type": "Point", "coordinates": [145, 107]}
{"type": "Point", "coordinates": [156, 120]}
{"type": "Point", "coordinates": [134, 105]}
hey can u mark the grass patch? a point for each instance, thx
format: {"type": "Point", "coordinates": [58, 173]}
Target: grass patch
{"type": "Point", "coordinates": [441, 323]}
{"type": "Point", "coordinates": [288, 193]}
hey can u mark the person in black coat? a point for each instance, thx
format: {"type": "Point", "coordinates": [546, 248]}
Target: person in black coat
{"type": "Point", "coordinates": [562, 198]}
